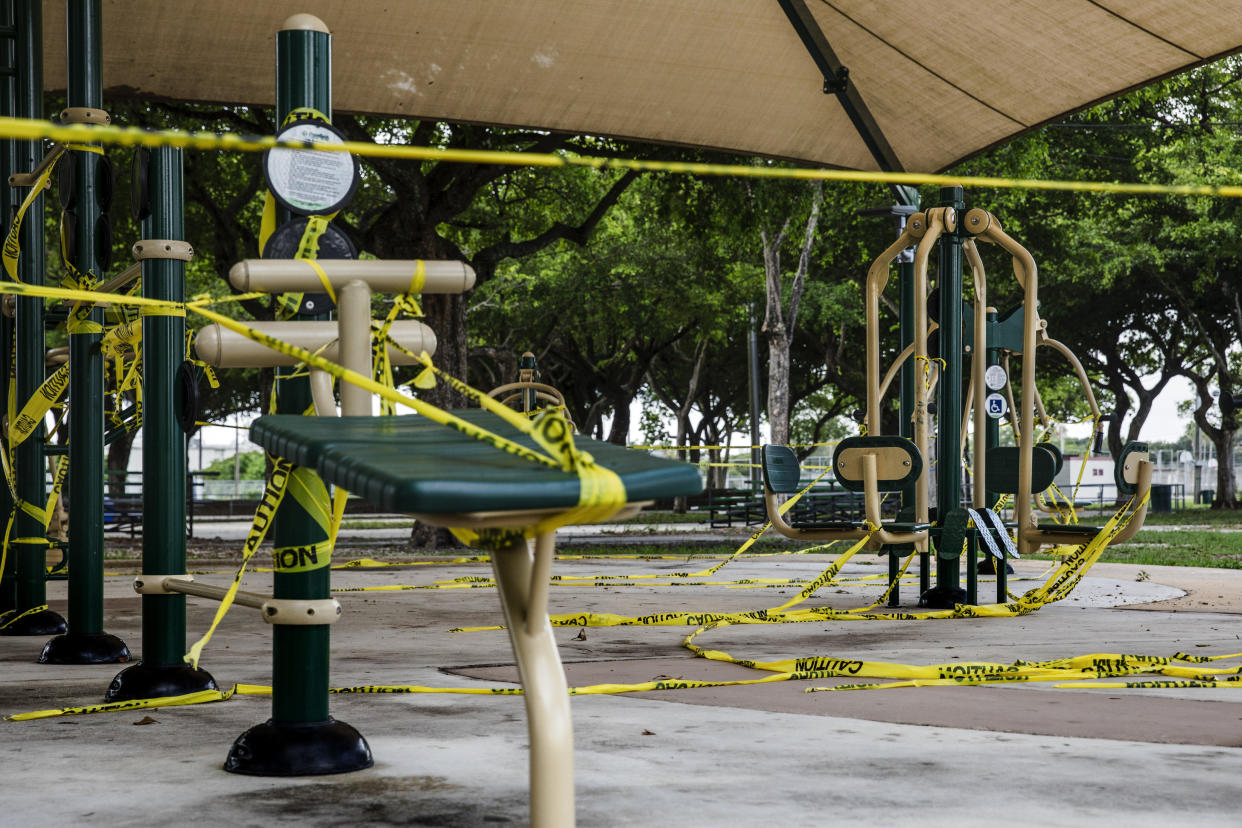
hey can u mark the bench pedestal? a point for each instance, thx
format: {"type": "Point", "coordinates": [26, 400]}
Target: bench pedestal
{"type": "Point", "coordinates": [522, 582]}
{"type": "Point", "coordinates": [150, 681]}
{"type": "Point", "coordinates": [84, 648]}
{"type": "Point", "coordinates": [299, 749]}
{"type": "Point", "coordinates": [42, 623]}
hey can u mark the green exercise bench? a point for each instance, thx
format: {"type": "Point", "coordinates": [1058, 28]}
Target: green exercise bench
{"type": "Point", "coordinates": [412, 465]}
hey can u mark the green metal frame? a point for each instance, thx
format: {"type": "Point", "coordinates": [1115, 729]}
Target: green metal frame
{"type": "Point", "coordinates": [948, 589]}
{"type": "Point", "coordinates": [300, 655]}
{"type": "Point", "coordinates": [86, 642]}
{"type": "Point", "coordinates": [29, 559]}
{"type": "Point", "coordinates": [163, 441]}
{"type": "Point", "coordinates": [8, 72]}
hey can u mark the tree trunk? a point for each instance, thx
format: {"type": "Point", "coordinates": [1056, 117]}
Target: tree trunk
{"type": "Point", "coordinates": [446, 315]}
{"type": "Point", "coordinates": [427, 538]}
{"type": "Point", "coordinates": [118, 463]}
{"type": "Point", "coordinates": [1226, 491]}
{"type": "Point", "coordinates": [778, 386]}
{"type": "Point", "coordinates": [619, 433]}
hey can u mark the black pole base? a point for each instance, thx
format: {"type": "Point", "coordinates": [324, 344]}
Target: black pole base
{"type": "Point", "coordinates": [157, 681]}
{"type": "Point", "coordinates": [987, 566]}
{"type": "Point", "coordinates": [84, 648]}
{"type": "Point", "coordinates": [301, 749]}
{"type": "Point", "coordinates": [939, 597]}
{"type": "Point", "coordinates": [42, 623]}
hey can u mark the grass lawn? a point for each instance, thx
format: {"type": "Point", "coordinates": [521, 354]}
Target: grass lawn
{"type": "Point", "coordinates": [1198, 536]}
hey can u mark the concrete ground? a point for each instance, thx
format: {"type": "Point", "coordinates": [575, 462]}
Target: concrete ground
{"type": "Point", "coordinates": [742, 755]}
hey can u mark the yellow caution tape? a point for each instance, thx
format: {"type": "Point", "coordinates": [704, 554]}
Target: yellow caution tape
{"type": "Point", "coordinates": [200, 697]}
{"type": "Point", "coordinates": [273, 493]}
{"type": "Point", "coordinates": [34, 410]}
{"type": "Point", "coordinates": [960, 674]}
{"type": "Point", "coordinates": [19, 616]}
{"type": "Point", "coordinates": [33, 130]}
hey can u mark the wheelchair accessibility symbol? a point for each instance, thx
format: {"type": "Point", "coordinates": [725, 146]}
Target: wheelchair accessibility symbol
{"type": "Point", "coordinates": [995, 406]}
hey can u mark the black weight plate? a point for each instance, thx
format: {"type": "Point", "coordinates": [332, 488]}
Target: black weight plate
{"type": "Point", "coordinates": [105, 183]}
{"type": "Point", "coordinates": [68, 236]}
{"type": "Point", "coordinates": [66, 183]}
{"type": "Point", "coordinates": [187, 396]}
{"type": "Point", "coordinates": [103, 242]}
{"type": "Point", "coordinates": [139, 196]}
{"type": "Point", "coordinates": [333, 244]}
{"type": "Point", "coordinates": [285, 239]}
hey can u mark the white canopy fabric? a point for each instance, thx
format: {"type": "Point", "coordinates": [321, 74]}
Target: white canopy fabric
{"type": "Point", "coordinates": [942, 80]}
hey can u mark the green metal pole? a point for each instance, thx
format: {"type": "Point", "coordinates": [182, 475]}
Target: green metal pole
{"type": "Point", "coordinates": [162, 671]}
{"type": "Point", "coordinates": [300, 654]}
{"type": "Point", "coordinates": [948, 590]}
{"type": "Point", "coordinates": [301, 738]}
{"type": "Point", "coordinates": [86, 642]}
{"type": "Point", "coordinates": [8, 152]}
{"type": "Point", "coordinates": [31, 579]}
{"type": "Point", "coordinates": [991, 436]}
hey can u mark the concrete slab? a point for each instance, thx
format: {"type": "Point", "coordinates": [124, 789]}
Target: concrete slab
{"type": "Point", "coordinates": [730, 756]}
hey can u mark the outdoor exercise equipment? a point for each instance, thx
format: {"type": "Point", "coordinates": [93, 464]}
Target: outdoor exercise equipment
{"type": "Point", "coordinates": [301, 738]}
{"type": "Point", "coordinates": [1024, 471]}
{"type": "Point", "coordinates": [873, 466]}
{"type": "Point", "coordinates": [527, 394]}
{"type": "Point", "coordinates": [1132, 469]}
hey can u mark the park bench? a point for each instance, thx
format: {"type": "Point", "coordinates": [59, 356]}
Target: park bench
{"type": "Point", "coordinates": [725, 506]}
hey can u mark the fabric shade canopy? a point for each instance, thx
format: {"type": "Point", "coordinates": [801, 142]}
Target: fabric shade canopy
{"type": "Point", "coordinates": [939, 81]}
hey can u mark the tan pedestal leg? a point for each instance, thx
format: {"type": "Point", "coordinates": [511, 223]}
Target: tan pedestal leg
{"type": "Point", "coordinates": [522, 581]}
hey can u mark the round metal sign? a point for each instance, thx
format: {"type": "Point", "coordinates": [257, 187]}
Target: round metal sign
{"type": "Point", "coordinates": [333, 244]}
{"type": "Point", "coordinates": [311, 182]}
{"type": "Point", "coordinates": [995, 378]}
{"type": "Point", "coordinates": [995, 406]}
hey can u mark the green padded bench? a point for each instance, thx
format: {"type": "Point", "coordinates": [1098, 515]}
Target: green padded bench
{"type": "Point", "coordinates": [413, 465]}
{"type": "Point", "coordinates": [410, 464]}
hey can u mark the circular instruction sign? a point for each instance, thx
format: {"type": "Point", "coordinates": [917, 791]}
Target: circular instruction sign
{"type": "Point", "coordinates": [995, 378]}
{"type": "Point", "coordinates": [311, 182]}
{"type": "Point", "coordinates": [995, 406]}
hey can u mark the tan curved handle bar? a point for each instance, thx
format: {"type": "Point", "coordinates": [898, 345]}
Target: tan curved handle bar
{"type": "Point", "coordinates": [1064, 351]}
{"type": "Point", "coordinates": [539, 395]}
{"type": "Point", "coordinates": [983, 225]}
{"type": "Point", "coordinates": [891, 373]}
{"type": "Point", "coordinates": [545, 391]}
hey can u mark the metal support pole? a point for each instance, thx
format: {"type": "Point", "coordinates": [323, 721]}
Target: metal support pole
{"type": "Point", "coordinates": [86, 642]}
{"type": "Point", "coordinates": [948, 590]}
{"type": "Point", "coordinates": [28, 559]}
{"type": "Point", "coordinates": [991, 436]}
{"type": "Point", "coordinates": [162, 672]}
{"type": "Point", "coordinates": [8, 158]}
{"type": "Point", "coordinates": [753, 375]}
{"type": "Point", "coordinates": [300, 738]}
{"type": "Point", "coordinates": [906, 378]}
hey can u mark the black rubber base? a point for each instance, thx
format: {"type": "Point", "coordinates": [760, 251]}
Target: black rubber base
{"type": "Point", "coordinates": [942, 597]}
{"type": "Point", "coordinates": [85, 648]}
{"type": "Point", "coordinates": [305, 749]}
{"type": "Point", "coordinates": [42, 623]}
{"type": "Point", "coordinates": [987, 566]}
{"type": "Point", "coordinates": [157, 681]}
